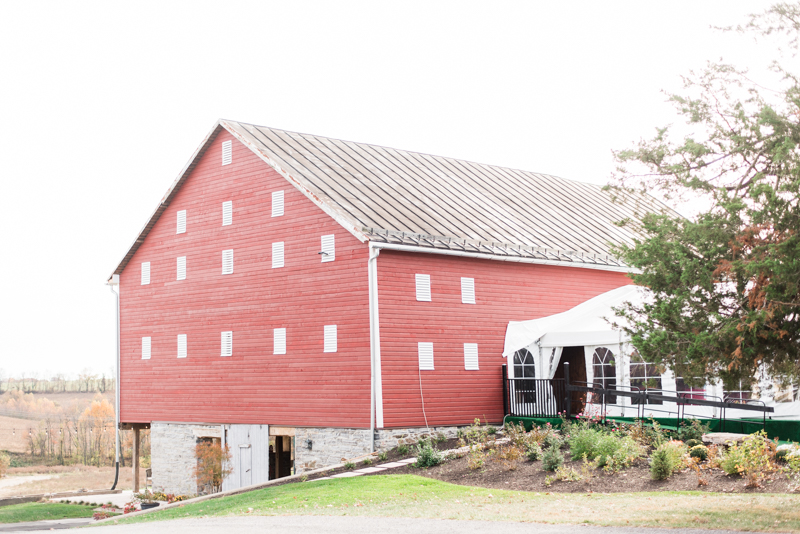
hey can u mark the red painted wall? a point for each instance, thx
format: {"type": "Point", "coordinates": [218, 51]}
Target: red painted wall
{"type": "Point", "coordinates": [504, 292]}
{"type": "Point", "coordinates": [304, 387]}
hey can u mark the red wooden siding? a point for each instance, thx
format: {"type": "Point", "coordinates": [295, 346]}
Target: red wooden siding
{"type": "Point", "coordinates": [304, 387]}
{"type": "Point", "coordinates": [504, 292]}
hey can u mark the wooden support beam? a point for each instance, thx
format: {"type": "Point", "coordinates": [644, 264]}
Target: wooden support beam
{"type": "Point", "coordinates": [135, 459]}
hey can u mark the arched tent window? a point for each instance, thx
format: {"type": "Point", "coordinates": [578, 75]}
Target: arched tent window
{"type": "Point", "coordinates": [525, 367]}
{"type": "Point", "coordinates": [605, 374]}
{"type": "Point", "coordinates": [644, 376]}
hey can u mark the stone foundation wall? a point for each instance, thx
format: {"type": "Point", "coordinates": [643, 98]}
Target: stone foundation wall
{"type": "Point", "coordinates": [389, 438]}
{"type": "Point", "coordinates": [172, 457]}
{"type": "Point", "coordinates": [328, 446]}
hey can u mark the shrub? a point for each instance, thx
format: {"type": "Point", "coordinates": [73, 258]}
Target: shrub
{"type": "Point", "coordinates": [5, 461]}
{"type": "Point", "coordinates": [552, 440]}
{"type": "Point", "coordinates": [475, 434]}
{"type": "Point", "coordinates": [752, 458]}
{"type": "Point", "coordinates": [584, 442]}
{"type": "Point", "coordinates": [700, 452]}
{"type": "Point", "coordinates": [693, 443]}
{"type": "Point", "coordinates": [213, 464]}
{"type": "Point", "coordinates": [349, 465]}
{"type": "Point", "coordinates": [616, 451]}
{"type": "Point", "coordinates": [517, 434]}
{"type": "Point", "coordinates": [476, 458]}
{"type": "Point", "coordinates": [782, 455]}
{"type": "Point", "coordinates": [533, 451]}
{"type": "Point", "coordinates": [427, 456]}
{"type": "Point", "coordinates": [666, 459]}
{"type": "Point", "coordinates": [692, 431]}
{"type": "Point", "coordinates": [567, 474]}
{"type": "Point", "coordinates": [793, 471]}
{"type": "Point", "coordinates": [383, 456]}
{"type": "Point", "coordinates": [509, 456]}
{"type": "Point", "coordinates": [402, 449]}
{"type": "Point", "coordinates": [492, 430]}
{"type": "Point", "coordinates": [367, 461]}
{"type": "Point", "coordinates": [552, 459]}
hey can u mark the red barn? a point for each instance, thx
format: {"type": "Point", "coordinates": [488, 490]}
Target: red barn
{"type": "Point", "coordinates": [306, 299]}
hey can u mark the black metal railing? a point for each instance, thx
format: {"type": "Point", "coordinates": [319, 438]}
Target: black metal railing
{"type": "Point", "coordinates": [537, 397]}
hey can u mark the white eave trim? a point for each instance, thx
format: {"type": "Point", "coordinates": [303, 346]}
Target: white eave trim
{"type": "Point", "coordinates": [514, 259]}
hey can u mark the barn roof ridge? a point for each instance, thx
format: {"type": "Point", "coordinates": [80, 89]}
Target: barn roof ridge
{"type": "Point", "coordinates": [386, 195]}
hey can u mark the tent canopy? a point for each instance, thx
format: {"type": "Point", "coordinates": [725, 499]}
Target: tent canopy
{"type": "Point", "coordinates": [585, 324]}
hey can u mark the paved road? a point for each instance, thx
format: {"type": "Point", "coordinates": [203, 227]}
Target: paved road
{"type": "Point", "coordinates": [384, 525]}
{"type": "Point", "coordinates": [45, 526]}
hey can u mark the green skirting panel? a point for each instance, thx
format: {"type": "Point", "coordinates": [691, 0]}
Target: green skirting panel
{"type": "Point", "coordinates": [782, 429]}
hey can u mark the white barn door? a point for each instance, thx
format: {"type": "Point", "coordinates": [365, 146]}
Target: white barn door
{"type": "Point", "coordinates": [249, 448]}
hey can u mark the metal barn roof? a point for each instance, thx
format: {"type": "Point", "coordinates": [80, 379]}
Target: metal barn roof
{"type": "Point", "coordinates": [387, 195]}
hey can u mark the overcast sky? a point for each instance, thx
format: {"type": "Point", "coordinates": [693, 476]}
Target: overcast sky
{"type": "Point", "coordinates": [103, 103]}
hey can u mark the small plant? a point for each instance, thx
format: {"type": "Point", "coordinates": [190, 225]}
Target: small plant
{"type": "Point", "coordinates": [552, 440]}
{"type": "Point", "coordinates": [517, 434]}
{"type": "Point", "coordinates": [699, 452]}
{"type": "Point", "coordinates": [367, 461]}
{"type": "Point", "coordinates": [382, 456]}
{"type": "Point", "coordinates": [793, 471]}
{"type": "Point", "coordinates": [402, 449]}
{"type": "Point", "coordinates": [752, 458]}
{"type": "Point", "coordinates": [213, 464]}
{"type": "Point", "coordinates": [666, 459]}
{"type": "Point", "coordinates": [476, 459]}
{"type": "Point", "coordinates": [492, 430]}
{"type": "Point", "coordinates": [552, 459]}
{"type": "Point", "coordinates": [439, 438]}
{"type": "Point", "coordinates": [566, 474]}
{"type": "Point", "coordinates": [304, 477]}
{"type": "Point", "coordinates": [693, 443]}
{"type": "Point", "coordinates": [475, 434]}
{"type": "Point", "coordinates": [533, 451]}
{"type": "Point", "coordinates": [349, 465]}
{"type": "Point", "coordinates": [427, 456]}
{"type": "Point", "coordinates": [693, 431]}
{"type": "Point", "coordinates": [509, 456]}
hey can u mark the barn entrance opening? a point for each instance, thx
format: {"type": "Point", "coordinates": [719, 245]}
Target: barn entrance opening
{"type": "Point", "coordinates": [281, 453]}
{"type": "Point", "coordinates": [577, 375]}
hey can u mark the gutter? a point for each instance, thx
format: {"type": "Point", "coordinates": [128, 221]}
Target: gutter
{"type": "Point", "coordinates": [513, 259]}
{"type": "Point", "coordinates": [114, 281]}
{"type": "Point", "coordinates": [376, 393]}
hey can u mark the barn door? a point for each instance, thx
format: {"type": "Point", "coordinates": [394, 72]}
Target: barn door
{"type": "Point", "coordinates": [245, 465]}
{"type": "Point", "coordinates": [249, 448]}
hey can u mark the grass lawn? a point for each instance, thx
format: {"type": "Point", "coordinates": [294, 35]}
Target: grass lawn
{"type": "Point", "coordinates": [413, 496]}
{"type": "Point", "coordinates": [34, 511]}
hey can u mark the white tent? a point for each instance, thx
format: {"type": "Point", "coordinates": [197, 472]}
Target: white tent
{"type": "Point", "coordinates": [585, 324]}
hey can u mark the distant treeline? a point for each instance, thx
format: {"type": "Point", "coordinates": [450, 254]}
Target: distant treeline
{"type": "Point", "coordinates": [83, 383]}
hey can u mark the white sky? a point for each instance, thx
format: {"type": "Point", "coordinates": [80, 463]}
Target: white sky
{"type": "Point", "coordinates": [103, 103]}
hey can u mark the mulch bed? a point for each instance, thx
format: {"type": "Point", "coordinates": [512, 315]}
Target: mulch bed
{"type": "Point", "coordinates": [529, 476]}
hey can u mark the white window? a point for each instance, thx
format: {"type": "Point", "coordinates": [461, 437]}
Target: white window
{"type": "Point", "coordinates": [425, 351]}
{"type": "Point", "coordinates": [277, 203]}
{"type": "Point", "coordinates": [182, 268]}
{"type": "Point", "coordinates": [145, 273]}
{"type": "Point", "coordinates": [471, 356]}
{"type": "Point", "coordinates": [227, 344]}
{"type": "Point", "coordinates": [468, 291]}
{"type": "Point", "coordinates": [181, 222]}
{"type": "Point", "coordinates": [181, 345]}
{"type": "Point", "coordinates": [423, 287]}
{"type": "Point", "coordinates": [146, 343]}
{"type": "Point", "coordinates": [328, 248]}
{"type": "Point", "coordinates": [279, 341]}
{"type": "Point", "coordinates": [227, 152]}
{"type": "Point", "coordinates": [227, 213]}
{"type": "Point", "coordinates": [277, 255]}
{"type": "Point", "coordinates": [227, 261]}
{"type": "Point", "coordinates": [330, 338]}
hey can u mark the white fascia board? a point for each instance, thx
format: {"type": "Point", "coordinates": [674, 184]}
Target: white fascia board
{"type": "Point", "coordinates": [513, 259]}
{"type": "Point", "coordinates": [339, 217]}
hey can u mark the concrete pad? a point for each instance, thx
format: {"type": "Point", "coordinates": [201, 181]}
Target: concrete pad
{"type": "Point", "coordinates": [368, 470]}
{"type": "Point", "coordinates": [347, 475]}
{"type": "Point", "coordinates": [407, 461]}
{"type": "Point", "coordinates": [321, 478]}
{"type": "Point", "coordinates": [391, 465]}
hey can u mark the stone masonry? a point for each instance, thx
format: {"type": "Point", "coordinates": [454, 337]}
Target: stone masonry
{"type": "Point", "coordinates": [172, 457]}
{"type": "Point", "coordinates": [389, 438]}
{"type": "Point", "coordinates": [328, 446]}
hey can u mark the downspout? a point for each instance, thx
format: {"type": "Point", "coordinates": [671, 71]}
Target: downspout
{"type": "Point", "coordinates": [375, 339]}
{"type": "Point", "coordinates": [111, 283]}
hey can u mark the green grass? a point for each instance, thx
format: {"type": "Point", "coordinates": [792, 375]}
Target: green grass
{"type": "Point", "coordinates": [34, 511]}
{"type": "Point", "coordinates": [413, 496]}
